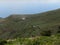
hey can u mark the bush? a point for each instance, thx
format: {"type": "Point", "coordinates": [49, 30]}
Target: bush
{"type": "Point", "coordinates": [3, 42]}
{"type": "Point", "coordinates": [46, 33]}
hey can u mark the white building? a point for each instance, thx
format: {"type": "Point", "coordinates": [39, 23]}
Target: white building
{"type": "Point", "coordinates": [23, 18]}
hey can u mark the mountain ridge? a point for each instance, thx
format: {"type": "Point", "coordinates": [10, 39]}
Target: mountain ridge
{"type": "Point", "coordinates": [14, 26]}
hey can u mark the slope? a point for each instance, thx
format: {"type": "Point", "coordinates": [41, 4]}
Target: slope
{"type": "Point", "coordinates": [14, 26]}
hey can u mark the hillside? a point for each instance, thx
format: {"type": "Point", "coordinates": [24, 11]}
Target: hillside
{"type": "Point", "coordinates": [42, 40]}
{"type": "Point", "coordinates": [33, 25]}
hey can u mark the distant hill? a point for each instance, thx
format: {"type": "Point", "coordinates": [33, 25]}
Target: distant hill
{"type": "Point", "coordinates": [32, 25]}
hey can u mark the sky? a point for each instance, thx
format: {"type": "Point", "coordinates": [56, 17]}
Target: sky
{"type": "Point", "coordinates": [8, 7]}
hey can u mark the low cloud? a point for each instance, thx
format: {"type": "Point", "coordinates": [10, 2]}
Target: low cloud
{"type": "Point", "coordinates": [50, 1]}
{"type": "Point", "coordinates": [32, 1]}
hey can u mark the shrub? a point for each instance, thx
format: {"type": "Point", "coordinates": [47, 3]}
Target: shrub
{"type": "Point", "coordinates": [46, 33]}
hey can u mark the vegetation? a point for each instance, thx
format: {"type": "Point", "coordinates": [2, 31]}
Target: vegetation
{"type": "Point", "coordinates": [33, 25]}
{"type": "Point", "coordinates": [42, 40]}
{"type": "Point", "coordinates": [24, 28]}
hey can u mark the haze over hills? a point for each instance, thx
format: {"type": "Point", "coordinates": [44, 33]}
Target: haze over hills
{"type": "Point", "coordinates": [17, 25]}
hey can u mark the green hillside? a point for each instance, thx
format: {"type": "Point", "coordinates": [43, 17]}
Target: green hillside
{"type": "Point", "coordinates": [38, 40]}
{"type": "Point", "coordinates": [32, 25]}
{"type": "Point", "coordinates": [42, 40]}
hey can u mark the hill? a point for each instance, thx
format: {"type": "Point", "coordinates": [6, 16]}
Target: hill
{"type": "Point", "coordinates": [17, 25]}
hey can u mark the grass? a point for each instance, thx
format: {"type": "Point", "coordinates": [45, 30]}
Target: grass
{"type": "Point", "coordinates": [42, 40]}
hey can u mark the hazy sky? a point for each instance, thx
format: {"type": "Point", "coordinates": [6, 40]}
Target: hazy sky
{"type": "Point", "coordinates": [8, 7]}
